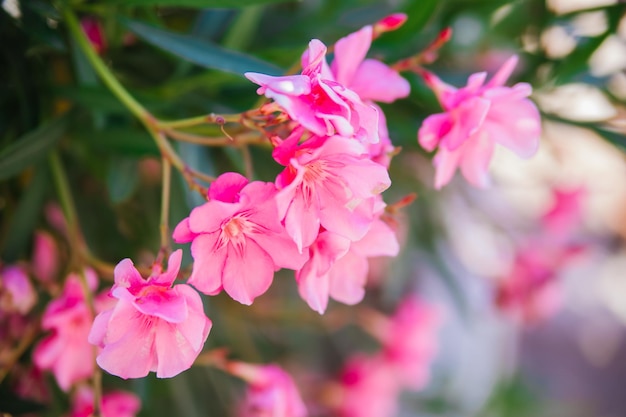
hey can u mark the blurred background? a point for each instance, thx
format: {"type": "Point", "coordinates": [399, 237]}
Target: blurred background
{"type": "Point", "coordinates": [562, 353]}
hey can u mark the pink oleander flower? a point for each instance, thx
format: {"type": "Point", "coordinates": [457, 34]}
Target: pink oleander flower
{"type": "Point", "coordinates": [565, 214]}
{"type": "Point", "coordinates": [237, 239]}
{"type": "Point", "coordinates": [66, 351]}
{"type": "Point", "coordinates": [319, 102]}
{"type": "Point", "coordinates": [475, 119]}
{"type": "Point", "coordinates": [114, 404]}
{"type": "Point", "coordinates": [153, 327]}
{"type": "Point", "coordinates": [410, 341]}
{"type": "Point", "coordinates": [45, 260]}
{"type": "Point", "coordinates": [338, 268]}
{"type": "Point", "coordinates": [271, 391]}
{"type": "Point", "coordinates": [369, 388]}
{"type": "Point", "coordinates": [16, 292]}
{"type": "Point", "coordinates": [328, 182]}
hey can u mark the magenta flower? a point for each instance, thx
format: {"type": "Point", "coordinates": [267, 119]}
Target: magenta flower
{"type": "Point", "coordinates": [153, 326]}
{"type": "Point", "coordinates": [328, 182]}
{"type": "Point", "coordinates": [319, 102]}
{"type": "Point", "coordinates": [410, 341]}
{"type": "Point", "coordinates": [369, 388]}
{"type": "Point", "coordinates": [46, 259]}
{"type": "Point", "coordinates": [114, 404]}
{"type": "Point", "coordinates": [16, 292]}
{"type": "Point", "coordinates": [237, 239]}
{"type": "Point", "coordinates": [338, 268]}
{"type": "Point", "coordinates": [271, 391]}
{"type": "Point", "coordinates": [66, 352]}
{"type": "Point", "coordinates": [476, 118]}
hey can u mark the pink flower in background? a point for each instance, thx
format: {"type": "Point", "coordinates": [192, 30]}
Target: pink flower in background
{"type": "Point", "coordinates": [66, 351]}
{"type": "Point", "coordinates": [369, 388]}
{"type": "Point", "coordinates": [114, 404]}
{"type": "Point", "coordinates": [45, 260]}
{"type": "Point", "coordinates": [330, 182]}
{"type": "Point", "coordinates": [271, 391]}
{"type": "Point", "coordinates": [476, 118]}
{"type": "Point", "coordinates": [16, 292]}
{"type": "Point", "coordinates": [319, 102]}
{"type": "Point", "coordinates": [95, 33]}
{"type": "Point", "coordinates": [153, 326]}
{"type": "Point", "coordinates": [237, 239]}
{"type": "Point", "coordinates": [410, 341]}
{"type": "Point", "coordinates": [531, 290]}
{"type": "Point", "coordinates": [338, 268]}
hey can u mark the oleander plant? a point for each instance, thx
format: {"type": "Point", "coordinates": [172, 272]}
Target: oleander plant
{"type": "Point", "coordinates": [312, 208]}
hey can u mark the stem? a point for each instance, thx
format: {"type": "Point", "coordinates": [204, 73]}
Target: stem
{"type": "Point", "coordinates": [165, 208]}
{"type": "Point", "coordinates": [198, 120]}
{"type": "Point", "coordinates": [247, 161]}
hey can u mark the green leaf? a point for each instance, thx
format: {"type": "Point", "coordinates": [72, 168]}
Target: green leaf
{"type": "Point", "coordinates": [126, 141]}
{"type": "Point", "coordinates": [201, 52]}
{"type": "Point", "coordinates": [29, 149]}
{"type": "Point", "coordinates": [235, 4]}
{"type": "Point", "coordinates": [122, 179]}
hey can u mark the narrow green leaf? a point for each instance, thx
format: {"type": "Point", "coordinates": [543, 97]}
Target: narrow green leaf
{"type": "Point", "coordinates": [122, 179]}
{"type": "Point", "coordinates": [26, 215]}
{"type": "Point", "coordinates": [29, 149]}
{"type": "Point", "coordinates": [235, 4]}
{"type": "Point", "coordinates": [126, 141]}
{"type": "Point", "coordinates": [201, 52]}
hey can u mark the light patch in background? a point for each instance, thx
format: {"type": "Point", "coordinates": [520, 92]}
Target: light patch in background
{"type": "Point", "coordinates": [12, 7]}
{"type": "Point", "coordinates": [609, 57]}
{"type": "Point", "coordinates": [557, 42]}
{"type": "Point", "coordinates": [569, 156]}
{"type": "Point", "coordinates": [612, 285]}
{"type": "Point", "coordinates": [590, 24]}
{"type": "Point", "coordinates": [467, 30]}
{"type": "Point", "coordinates": [568, 6]}
{"type": "Point", "coordinates": [576, 101]}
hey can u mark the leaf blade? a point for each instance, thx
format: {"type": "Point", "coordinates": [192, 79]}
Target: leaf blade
{"type": "Point", "coordinates": [230, 4]}
{"type": "Point", "coordinates": [201, 52]}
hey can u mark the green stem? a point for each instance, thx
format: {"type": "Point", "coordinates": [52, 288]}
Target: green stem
{"type": "Point", "coordinates": [102, 70]}
{"type": "Point", "coordinates": [165, 206]}
{"type": "Point", "coordinates": [65, 196]}
{"type": "Point", "coordinates": [198, 120]}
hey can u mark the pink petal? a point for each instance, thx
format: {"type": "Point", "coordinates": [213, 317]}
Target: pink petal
{"type": "Point", "coordinates": [173, 266]}
{"type": "Point", "coordinates": [348, 277]}
{"type": "Point", "coordinates": [127, 276]}
{"type": "Point", "coordinates": [380, 240]}
{"type": "Point", "coordinates": [98, 330]}
{"type": "Point", "coordinates": [182, 233]}
{"type": "Point", "coordinates": [477, 155]}
{"type": "Point", "coordinates": [312, 63]}
{"type": "Point", "coordinates": [210, 216]}
{"type": "Point", "coordinates": [468, 118]}
{"type": "Point", "coordinates": [293, 85]}
{"type": "Point", "coordinates": [248, 272]}
{"type": "Point", "coordinates": [503, 74]}
{"type": "Point", "coordinates": [433, 129]}
{"type": "Point", "coordinates": [446, 163]}
{"type": "Point", "coordinates": [349, 53]}
{"type": "Point", "coordinates": [208, 264]}
{"type": "Point", "coordinates": [197, 326]}
{"type": "Point", "coordinates": [226, 187]}
{"type": "Point", "coordinates": [377, 82]}
{"type": "Point", "coordinates": [46, 258]}
{"type": "Point", "coordinates": [174, 353]}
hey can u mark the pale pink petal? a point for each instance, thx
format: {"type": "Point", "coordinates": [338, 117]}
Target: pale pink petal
{"type": "Point", "coordinates": [98, 330]}
{"type": "Point", "coordinates": [160, 302]}
{"type": "Point", "coordinates": [174, 353]}
{"type": "Point", "coordinates": [182, 233]}
{"type": "Point", "coordinates": [380, 240]}
{"type": "Point", "coordinates": [173, 266]}
{"type": "Point", "coordinates": [127, 276]}
{"type": "Point", "coordinates": [516, 126]}
{"type": "Point", "coordinates": [377, 82]}
{"type": "Point", "coordinates": [14, 280]}
{"type": "Point", "coordinates": [294, 85]}
{"type": "Point", "coordinates": [197, 326]}
{"type": "Point", "coordinates": [468, 119]}
{"type": "Point", "coordinates": [316, 54]}
{"type": "Point", "coordinates": [210, 216]}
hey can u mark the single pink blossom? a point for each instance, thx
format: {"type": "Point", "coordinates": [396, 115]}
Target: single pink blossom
{"type": "Point", "coordinates": [16, 292]}
{"type": "Point", "coordinates": [410, 341]}
{"type": "Point", "coordinates": [328, 182]}
{"type": "Point", "coordinates": [153, 326]}
{"type": "Point", "coordinates": [369, 388]}
{"type": "Point", "coordinates": [475, 119]}
{"type": "Point", "coordinates": [66, 351]}
{"type": "Point", "coordinates": [319, 102]}
{"type": "Point", "coordinates": [338, 268]}
{"type": "Point", "coordinates": [237, 239]}
{"type": "Point", "coordinates": [114, 403]}
{"type": "Point", "coordinates": [271, 391]}
{"type": "Point", "coordinates": [46, 258]}
{"type": "Point", "coordinates": [95, 33]}
{"type": "Point", "coordinates": [390, 23]}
